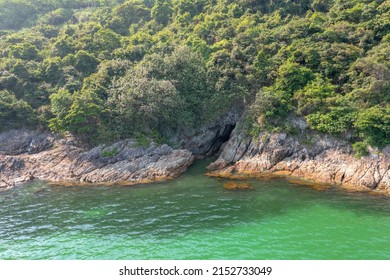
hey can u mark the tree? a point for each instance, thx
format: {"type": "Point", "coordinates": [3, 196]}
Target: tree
{"type": "Point", "coordinates": [142, 104]}
{"type": "Point", "coordinates": [83, 117]}
{"type": "Point", "coordinates": [162, 92]}
{"type": "Point", "coordinates": [61, 102]}
{"type": "Point", "coordinates": [85, 63]}
{"type": "Point", "coordinates": [105, 40]}
{"type": "Point", "coordinates": [320, 5]}
{"type": "Point", "coordinates": [315, 96]}
{"type": "Point", "coordinates": [128, 13]}
{"type": "Point", "coordinates": [79, 113]}
{"type": "Point", "coordinates": [373, 125]}
{"type": "Point", "coordinates": [162, 11]}
{"type": "Point", "coordinates": [262, 66]}
{"type": "Point", "coordinates": [58, 16]}
{"type": "Point", "coordinates": [266, 108]}
{"type": "Point", "coordinates": [292, 77]}
{"type": "Point", "coordinates": [14, 113]}
{"type": "Point", "coordinates": [186, 70]}
{"type": "Point", "coordinates": [24, 51]}
{"type": "Point", "coordinates": [63, 46]}
{"type": "Point", "coordinates": [107, 64]}
{"type": "Point", "coordinates": [337, 120]}
{"type": "Point", "coordinates": [53, 70]}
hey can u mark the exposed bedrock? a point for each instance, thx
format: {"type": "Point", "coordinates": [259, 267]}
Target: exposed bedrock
{"type": "Point", "coordinates": [316, 157]}
{"type": "Point", "coordinates": [123, 162]}
{"type": "Point", "coordinates": [207, 140]}
{"type": "Point", "coordinates": [27, 155]}
{"type": "Point", "coordinates": [16, 142]}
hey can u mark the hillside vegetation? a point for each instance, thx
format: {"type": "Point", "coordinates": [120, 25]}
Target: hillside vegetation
{"type": "Point", "coordinates": [106, 70]}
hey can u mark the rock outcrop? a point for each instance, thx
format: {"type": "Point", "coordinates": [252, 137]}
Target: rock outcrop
{"type": "Point", "coordinates": [60, 161]}
{"type": "Point", "coordinates": [207, 140]}
{"type": "Point", "coordinates": [316, 157]}
{"type": "Point", "coordinates": [16, 142]}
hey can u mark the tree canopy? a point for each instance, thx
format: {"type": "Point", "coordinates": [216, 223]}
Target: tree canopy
{"type": "Point", "coordinates": [106, 70]}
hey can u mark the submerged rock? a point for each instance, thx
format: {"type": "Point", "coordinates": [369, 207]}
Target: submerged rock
{"type": "Point", "coordinates": [237, 186]}
{"type": "Point", "coordinates": [123, 162]}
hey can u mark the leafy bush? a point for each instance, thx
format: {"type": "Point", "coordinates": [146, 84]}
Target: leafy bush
{"type": "Point", "coordinates": [110, 153]}
{"type": "Point", "coordinates": [14, 113]}
{"type": "Point", "coordinates": [336, 121]}
{"type": "Point", "coordinates": [360, 149]}
{"type": "Point", "coordinates": [373, 125]}
{"type": "Point", "coordinates": [315, 96]}
{"type": "Point", "coordinates": [106, 70]}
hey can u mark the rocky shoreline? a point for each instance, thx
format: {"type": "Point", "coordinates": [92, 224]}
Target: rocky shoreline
{"type": "Point", "coordinates": [27, 156]}
{"type": "Point", "coordinates": [318, 158]}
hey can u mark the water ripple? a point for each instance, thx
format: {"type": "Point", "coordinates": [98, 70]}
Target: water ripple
{"type": "Point", "coordinates": [193, 217]}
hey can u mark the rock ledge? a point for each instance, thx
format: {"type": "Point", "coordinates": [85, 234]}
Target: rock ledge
{"type": "Point", "coordinates": [319, 158]}
{"type": "Point", "coordinates": [60, 161]}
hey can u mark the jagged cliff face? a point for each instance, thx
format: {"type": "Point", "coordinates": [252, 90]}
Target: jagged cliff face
{"type": "Point", "coordinates": [316, 157]}
{"type": "Point", "coordinates": [26, 156]}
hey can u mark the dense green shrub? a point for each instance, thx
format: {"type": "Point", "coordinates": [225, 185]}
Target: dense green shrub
{"type": "Point", "coordinates": [106, 70]}
{"type": "Point", "coordinates": [373, 124]}
{"type": "Point", "coordinates": [14, 113]}
{"type": "Point", "coordinates": [360, 149]}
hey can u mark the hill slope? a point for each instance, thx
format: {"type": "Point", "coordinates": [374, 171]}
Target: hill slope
{"type": "Point", "coordinates": [107, 70]}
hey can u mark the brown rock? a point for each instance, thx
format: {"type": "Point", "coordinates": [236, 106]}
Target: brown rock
{"type": "Point", "coordinates": [237, 186]}
{"type": "Point", "coordinates": [324, 160]}
{"type": "Point", "coordinates": [123, 162]}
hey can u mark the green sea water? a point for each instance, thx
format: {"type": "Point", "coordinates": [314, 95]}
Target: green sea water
{"type": "Point", "coordinates": [193, 217]}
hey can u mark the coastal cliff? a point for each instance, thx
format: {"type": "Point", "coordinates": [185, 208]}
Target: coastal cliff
{"type": "Point", "coordinates": [316, 157]}
{"type": "Point", "coordinates": [27, 155]}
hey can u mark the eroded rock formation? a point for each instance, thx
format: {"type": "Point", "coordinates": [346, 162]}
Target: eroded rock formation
{"type": "Point", "coordinates": [316, 157]}
{"type": "Point", "coordinates": [123, 162]}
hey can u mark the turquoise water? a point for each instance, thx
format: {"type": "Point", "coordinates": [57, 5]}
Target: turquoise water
{"type": "Point", "coordinates": [193, 217]}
